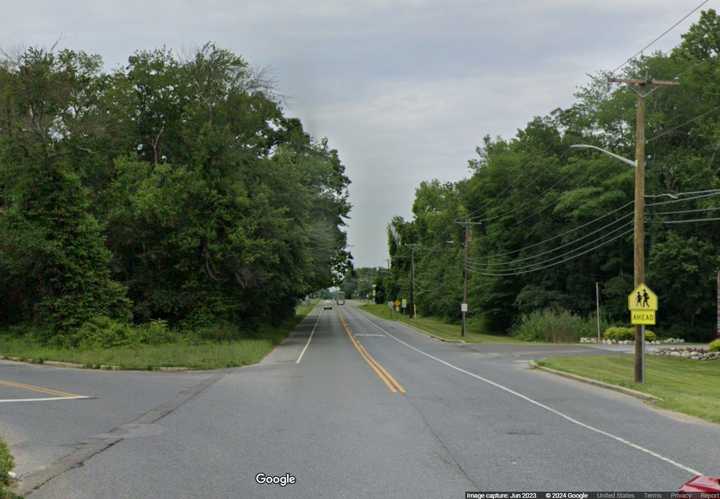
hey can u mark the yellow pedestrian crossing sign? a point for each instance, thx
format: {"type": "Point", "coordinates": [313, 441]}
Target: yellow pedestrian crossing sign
{"type": "Point", "coordinates": [643, 304]}
{"type": "Point", "coordinates": [642, 298]}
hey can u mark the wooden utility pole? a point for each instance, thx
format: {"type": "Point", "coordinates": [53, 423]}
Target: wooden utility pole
{"type": "Point", "coordinates": [597, 309]}
{"type": "Point", "coordinates": [465, 276]}
{"type": "Point", "coordinates": [717, 327]}
{"type": "Point", "coordinates": [642, 89]}
{"type": "Point", "coordinates": [412, 280]}
{"type": "Point", "coordinates": [466, 253]}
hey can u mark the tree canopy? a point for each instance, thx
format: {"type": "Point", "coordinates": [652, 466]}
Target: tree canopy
{"type": "Point", "coordinates": [169, 188]}
{"type": "Point", "coordinates": [549, 221]}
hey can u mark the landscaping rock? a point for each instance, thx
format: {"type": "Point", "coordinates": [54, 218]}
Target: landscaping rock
{"type": "Point", "coordinates": [692, 353]}
{"type": "Point", "coordinates": [666, 341]}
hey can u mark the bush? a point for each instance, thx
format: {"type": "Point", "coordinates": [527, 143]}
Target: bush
{"type": "Point", "coordinates": [6, 466]}
{"type": "Point", "coordinates": [626, 334]}
{"type": "Point", "coordinates": [156, 332]}
{"type": "Point", "coordinates": [714, 346]}
{"type": "Point", "coordinates": [553, 325]}
{"type": "Point", "coordinates": [218, 331]}
{"type": "Point", "coordinates": [103, 332]}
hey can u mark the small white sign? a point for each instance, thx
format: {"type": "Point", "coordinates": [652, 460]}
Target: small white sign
{"type": "Point", "coordinates": [463, 307]}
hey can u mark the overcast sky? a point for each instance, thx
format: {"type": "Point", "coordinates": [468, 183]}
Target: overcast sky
{"type": "Point", "coordinates": [404, 89]}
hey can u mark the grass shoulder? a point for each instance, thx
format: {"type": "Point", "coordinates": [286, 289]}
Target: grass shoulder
{"type": "Point", "coordinates": [176, 350]}
{"type": "Point", "coordinates": [6, 465]}
{"type": "Point", "coordinates": [433, 326]}
{"type": "Point", "coordinates": [686, 386]}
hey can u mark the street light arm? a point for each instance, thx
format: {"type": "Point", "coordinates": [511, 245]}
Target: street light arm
{"type": "Point", "coordinates": [616, 156]}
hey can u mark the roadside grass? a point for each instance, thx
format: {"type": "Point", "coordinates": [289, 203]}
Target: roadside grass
{"type": "Point", "coordinates": [185, 352]}
{"type": "Point", "coordinates": [437, 327]}
{"type": "Point", "coordinates": [6, 466]}
{"type": "Point", "coordinates": [687, 386]}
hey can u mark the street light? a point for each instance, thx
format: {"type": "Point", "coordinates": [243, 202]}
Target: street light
{"type": "Point", "coordinates": [616, 156]}
{"type": "Point", "coordinates": [639, 232]}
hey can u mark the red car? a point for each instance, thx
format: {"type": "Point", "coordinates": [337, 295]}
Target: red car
{"type": "Point", "coordinates": [701, 483]}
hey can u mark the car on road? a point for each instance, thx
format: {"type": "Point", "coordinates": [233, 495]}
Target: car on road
{"type": "Point", "coordinates": [327, 305]}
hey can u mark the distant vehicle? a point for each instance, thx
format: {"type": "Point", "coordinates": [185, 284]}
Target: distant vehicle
{"type": "Point", "coordinates": [340, 298]}
{"type": "Point", "coordinates": [327, 305]}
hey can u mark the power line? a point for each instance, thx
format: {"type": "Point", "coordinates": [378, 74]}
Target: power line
{"type": "Point", "coordinates": [656, 39]}
{"type": "Point", "coordinates": [582, 246]}
{"type": "Point", "coordinates": [693, 220]}
{"type": "Point", "coordinates": [516, 208]}
{"type": "Point", "coordinates": [566, 232]}
{"type": "Point", "coordinates": [552, 264]}
{"type": "Point", "coordinates": [678, 194]}
{"type": "Point", "coordinates": [541, 265]}
{"type": "Point", "coordinates": [552, 250]}
{"type": "Point", "coordinates": [698, 210]}
{"type": "Point", "coordinates": [666, 132]}
{"type": "Point", "coordinates": [710, 194]}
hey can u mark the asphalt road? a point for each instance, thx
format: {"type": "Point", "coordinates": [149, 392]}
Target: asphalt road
{"type": "Point", "coordinates": [387, 412]}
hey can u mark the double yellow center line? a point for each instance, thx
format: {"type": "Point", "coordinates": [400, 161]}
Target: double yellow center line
{"type": "Point", "coordinates": [381, 372]}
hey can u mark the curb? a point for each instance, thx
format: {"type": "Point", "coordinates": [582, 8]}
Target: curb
{"type": "Point", "coordinates": [96, 367]}
{"type": "Point", "coordinates": [627, 391]}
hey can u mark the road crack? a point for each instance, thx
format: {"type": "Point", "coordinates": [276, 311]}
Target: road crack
{"type": "Point", "coordinates": [94, 446]}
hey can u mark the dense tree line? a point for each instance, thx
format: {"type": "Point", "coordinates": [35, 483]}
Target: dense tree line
{"type": "Point", "coordinates": [169, 188]}
{"type": "Point", "coordinates": [550, 221]}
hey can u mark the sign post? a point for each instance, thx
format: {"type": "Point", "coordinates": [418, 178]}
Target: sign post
{"type": "Point", "coordinates": [643, 304]}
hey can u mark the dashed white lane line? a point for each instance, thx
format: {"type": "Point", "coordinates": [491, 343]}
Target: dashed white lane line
{"type": "Point", "coordinates": [309, 339]}
{"type": "Point", "coordinates": [541, 405]}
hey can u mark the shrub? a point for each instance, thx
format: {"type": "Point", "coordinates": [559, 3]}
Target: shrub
{"type": "Point", "coordinates": [553, 325]}
{"type": "Point", "coordinates": [219, 331]}
{"type": "Point", "coordinates": [619, 333]}
{"type": "Point", "coordinates": [104, 332]}
{"type": "Point", "coordinates": [714, 346]}
{"type": "Point", "coordinates": [6, 466]}
{"type": "Point", "coordinates": [156, 332]}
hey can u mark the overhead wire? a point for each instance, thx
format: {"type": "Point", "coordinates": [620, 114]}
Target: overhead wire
{"type": "Point", "coordinates": [514, 209]}
{"type": "Point", "coordinates": [692, 120]}
{"type": "Point", "coordinates": [569, 243]}
{"type": "Point", "coordinates": [659, 37]}
{"type": "Point", "coordinates": [694, 220]}
{"type": "Point", "coordinates": [572, 253]}
{"type": "Point", "coordinates": [566, 232]}
{"type": "Point", "coordinates": [536, 269]}
{"type": "Point", "coordinates": [558, 257]}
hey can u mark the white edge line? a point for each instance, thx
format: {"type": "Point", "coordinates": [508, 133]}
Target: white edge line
{"type": "Point", "coordinates": [45, 399]}
{"type": "Point", "coordinates": [309, 339]}
{"type": "Point", "coordinates": [541, 405]}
